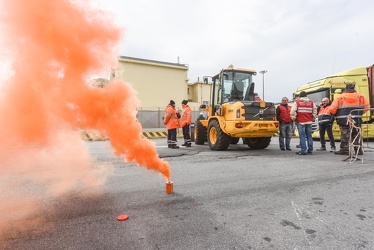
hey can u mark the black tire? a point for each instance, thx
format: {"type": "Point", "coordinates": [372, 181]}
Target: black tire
{"type": "Point", "coordinates": [234, 140]}
{"type": "Point", "coordinates": [199, 133]}
{"type": "Point", "coordinates": [217, 139]}
{"type": "Point", "coordinates": [258, 142]}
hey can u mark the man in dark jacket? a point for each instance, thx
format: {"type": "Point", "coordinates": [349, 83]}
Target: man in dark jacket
{"type": "Point", "coordinates": [285, 127]}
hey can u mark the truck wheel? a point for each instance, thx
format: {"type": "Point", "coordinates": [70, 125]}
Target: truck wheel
{"type": "Point", "coordinates": [258, 142]}
{"type": "Point", "coordinates": [217, 139]}
{"type": "Point", "coordinates": [234, 140]}
{"type": "Point", "coordinates": [199, 133]}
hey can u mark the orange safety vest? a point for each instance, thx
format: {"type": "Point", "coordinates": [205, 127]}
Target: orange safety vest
{"type": "Point", "coordinates": [345, 103]}
{"type": "Point", "coordinates": [324, 115]}
{"type": "Point", "coordinates": [186, 117]}
{"type": "Point", "coordinates": [171, 118]}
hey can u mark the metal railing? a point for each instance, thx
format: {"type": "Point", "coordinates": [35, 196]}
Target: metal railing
{"type": "Point", "coordinates": [356, 142]}
{"type": "Point", "coordinates": [364, 124]}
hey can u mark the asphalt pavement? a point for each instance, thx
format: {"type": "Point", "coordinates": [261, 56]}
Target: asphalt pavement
{"type": "Point", "coordinates": [234, 199]}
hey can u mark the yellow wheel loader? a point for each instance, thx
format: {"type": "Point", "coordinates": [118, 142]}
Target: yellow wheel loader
{"type": "Point", "coordinates": [235, 111]}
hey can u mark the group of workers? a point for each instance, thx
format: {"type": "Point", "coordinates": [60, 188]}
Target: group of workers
{"type": "Point", "coordinates": [172, 122]}
{"type": "Point", "coordinates": [349, 106]}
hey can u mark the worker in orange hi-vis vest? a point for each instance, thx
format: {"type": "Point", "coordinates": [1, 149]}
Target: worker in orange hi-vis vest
{"type": "Point", "coordinates": [185, 123]}
{"type": "Point", "coordinates": [325, 120]}
{"type": "Point", "coordinates": [171, 122]}
{"type": "Point", "coordinates": [342, 107]}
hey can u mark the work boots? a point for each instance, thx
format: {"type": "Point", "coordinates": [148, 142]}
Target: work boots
{"type": "Point", "coordinates": [174, 146]}
{"type": "Point", "coordinates": [340, 152]}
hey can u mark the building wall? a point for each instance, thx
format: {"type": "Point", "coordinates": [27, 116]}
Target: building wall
{"type": "Point", "coordinates": [199, 92]}
{"type": "Point", "coordinates": [156, 83]}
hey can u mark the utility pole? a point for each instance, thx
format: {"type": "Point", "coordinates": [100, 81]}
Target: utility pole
{"type": "Point", "coordinates": [263, 83]}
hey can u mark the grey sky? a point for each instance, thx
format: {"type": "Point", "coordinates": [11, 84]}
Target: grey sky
{"type": "Point", "coordinates": [295, 41]}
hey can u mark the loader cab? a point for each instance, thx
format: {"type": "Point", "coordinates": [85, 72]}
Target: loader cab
{"type": "Point", "coordinates": [232, 85]}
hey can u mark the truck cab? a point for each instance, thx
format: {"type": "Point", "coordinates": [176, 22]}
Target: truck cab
{"type": "Point", "coordinates": [332, 86]}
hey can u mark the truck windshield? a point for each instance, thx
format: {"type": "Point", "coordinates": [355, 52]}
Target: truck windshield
{"type": "Point", "coordinates": [317, 97]}
{"type": "Point", "coordinates": [237, 86]}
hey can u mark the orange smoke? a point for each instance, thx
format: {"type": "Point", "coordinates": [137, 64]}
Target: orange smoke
{"type": "Point", "coordinates": [55, 47]}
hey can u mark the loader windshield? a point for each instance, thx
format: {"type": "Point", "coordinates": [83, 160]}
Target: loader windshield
{"type": "Point", "coordinates": [237, 86]}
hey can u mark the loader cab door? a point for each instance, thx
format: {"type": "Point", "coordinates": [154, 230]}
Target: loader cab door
{"type": "Point", "coordinates": [216, 90]}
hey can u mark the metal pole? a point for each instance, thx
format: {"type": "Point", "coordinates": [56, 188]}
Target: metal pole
{"type": "Point", "coordinates": [263, 87]}
{"type": "Point", "coordinates": [263, 83]}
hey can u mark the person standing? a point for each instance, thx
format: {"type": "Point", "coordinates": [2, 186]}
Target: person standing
{"type": "Point", "coordinates": [325, 120]}
{"type": "Point", "coordinates": [185, 123]}
{"type": "Point", "coordinates": [342, 107]}
{"type": "Point", "coordinates": [171, 122]}
{"type": "Point", "coordinates": [303, 111]}
{"type": "Point", "coordinates": [285, 121]}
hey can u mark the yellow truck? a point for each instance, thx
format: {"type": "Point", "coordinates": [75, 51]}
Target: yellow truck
{"type": "Point", "coordinates": [332, 86]}
{"type": "Point", "coordinates": [235, 111]}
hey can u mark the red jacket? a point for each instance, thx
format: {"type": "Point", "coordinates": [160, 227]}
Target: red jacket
{"type": "Point", "coordinates": [186, 117]}
{"type": "Point", "coordinates": [283, 113]}
{"type": "Point", "coordinates": [171, 118]}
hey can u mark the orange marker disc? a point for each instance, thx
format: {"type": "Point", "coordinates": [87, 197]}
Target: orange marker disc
{"type": "Point", "coordinates": [122, 217]}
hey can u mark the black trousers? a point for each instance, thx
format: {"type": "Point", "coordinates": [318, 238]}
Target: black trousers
{"type": "Point", "coordinates": [322, 130]}
{"type": "Point", "coordinates": [186, 133]}
{"type": "Point", "coordinates": [172, 136]}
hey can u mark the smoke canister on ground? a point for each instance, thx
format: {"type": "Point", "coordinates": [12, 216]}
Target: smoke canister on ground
{"type": "Point", "coordinates": [169, 187]}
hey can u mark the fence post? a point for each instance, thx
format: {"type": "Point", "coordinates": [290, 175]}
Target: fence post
{"type": "Point", "coordinates": [159, 117]}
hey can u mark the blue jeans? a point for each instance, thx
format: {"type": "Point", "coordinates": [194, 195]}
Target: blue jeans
{"type": "Point", "coordinates": [285, 135]}
{"type": "Point", "coordinates": [305, 134]}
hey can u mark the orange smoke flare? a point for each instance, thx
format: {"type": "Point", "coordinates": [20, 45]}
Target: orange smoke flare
{"type": "Point", "coordinates": [54, 48]}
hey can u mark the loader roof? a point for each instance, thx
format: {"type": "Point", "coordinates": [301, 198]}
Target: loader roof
{"type": "Point", "coordinates": [237, 69]}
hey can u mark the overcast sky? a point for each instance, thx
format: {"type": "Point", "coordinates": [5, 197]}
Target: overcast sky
{"type": "Point", "coordinates": [296, 41]}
